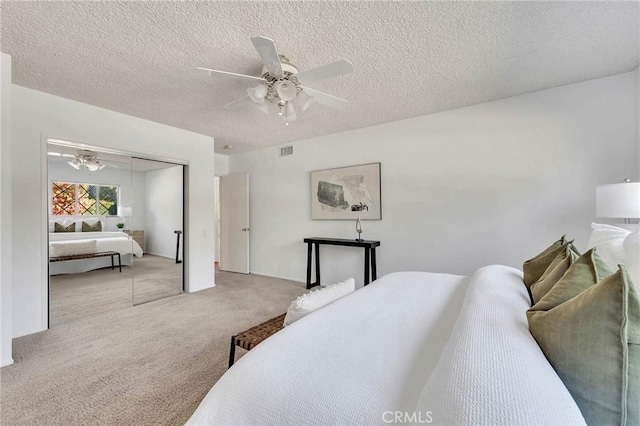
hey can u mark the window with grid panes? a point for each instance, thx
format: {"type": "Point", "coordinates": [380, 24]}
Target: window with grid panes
{"type": "Point", "coordinates": [84, 199]}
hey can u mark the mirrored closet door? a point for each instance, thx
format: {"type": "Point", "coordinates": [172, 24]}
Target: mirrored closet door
{"type": "Point", "coordinates": [114, 224]}
{"type": "Point", "coordinates": [90, 258]}
{"type": "Point", "coordinates": [157, 227]}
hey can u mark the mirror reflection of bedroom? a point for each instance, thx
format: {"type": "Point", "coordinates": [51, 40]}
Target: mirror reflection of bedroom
{"type": "Point", "coordinates": [114, 224]}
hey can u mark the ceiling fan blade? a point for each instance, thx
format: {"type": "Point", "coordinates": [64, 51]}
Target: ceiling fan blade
{"type": "Point", "coordinates": [268, 53]}
{"type": "Point", "coordinates": [217, 73]}
{"type": "Point", "coordinates": [326, 71]}
{"type": "Point", "coordinates": [325, 99]}
{"type": "Point", "coordinates": [238, 102]}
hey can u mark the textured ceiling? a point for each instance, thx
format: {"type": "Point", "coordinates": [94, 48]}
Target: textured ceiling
{"type": "Point", "coordinates": [410, 58]}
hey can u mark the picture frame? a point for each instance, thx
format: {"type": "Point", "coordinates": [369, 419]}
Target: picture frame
{"type": "Point", "coordinates": [347, 193]}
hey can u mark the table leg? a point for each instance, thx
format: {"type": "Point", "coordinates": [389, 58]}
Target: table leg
{"type": "Point", "coordinates": [309, 248]}
{"type": "Point", "coordinates": [317, 264]}
{"type": "Point", "coordinates": [366, 265]}
{"type": "Point", "coordinates": [374, 267]}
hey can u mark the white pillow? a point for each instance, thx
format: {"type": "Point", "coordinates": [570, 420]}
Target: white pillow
{"type": "Point", "coordinates": [632, 256]}
{"type": "Point", "coordinates": [316, 299]}
{"type": "Point", "coordinates": [609, 241]}
{"type": "Point", "coordinates": [70, 248]}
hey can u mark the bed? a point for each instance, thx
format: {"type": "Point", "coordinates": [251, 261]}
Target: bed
{"type": "Point", "coordinates": [412, 347]}
{"type": "Point", "coordinates": [556, 343]}
{"type": "Point", "coordinates": [105, 241]}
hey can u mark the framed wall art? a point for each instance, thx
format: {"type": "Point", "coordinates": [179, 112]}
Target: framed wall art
{"type": "Point", "coordinates": [347, 193]}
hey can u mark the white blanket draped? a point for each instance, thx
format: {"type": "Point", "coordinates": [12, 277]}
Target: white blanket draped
{"type": "Point", "coordinates": [378, 353]}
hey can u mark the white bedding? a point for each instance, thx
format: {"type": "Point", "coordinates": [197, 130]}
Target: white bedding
{"type": "Point", "coordinates": [376, 352]}
{"type": "Point", "coordinates": [105, 241]}
{"type": "Point", "coordinates": [69, 236]}
{"type": "Point", "coordinates": [347, 363]}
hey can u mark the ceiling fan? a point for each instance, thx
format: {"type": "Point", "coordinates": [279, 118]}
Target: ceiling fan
{"type": "Point", "coordinates": [90, 161]}
{"type": "Point", "coordinates": [280, 85]}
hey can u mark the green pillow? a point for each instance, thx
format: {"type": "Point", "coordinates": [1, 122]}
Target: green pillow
{"type": "Point", "coordinates": [534, 268]}
{"type": "Point", "coordinates": [587, 270]}
{"type": "Point", "coordinates": [57, 227]}
{"type": "Point", "coordinates": [554, 271]}
{"type": "Point", "coordinates": [96, 227]}
{"type": "Point", "coordinates": [593, 342]}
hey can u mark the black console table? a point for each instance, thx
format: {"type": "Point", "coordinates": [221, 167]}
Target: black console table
{"type": "Point", "coordinates": [369, 255]}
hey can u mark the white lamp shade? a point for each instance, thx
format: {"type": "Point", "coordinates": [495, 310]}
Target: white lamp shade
{"type": "Point", "coordinates": [618, 200]}
{"type": "Point", "coordinates": [125, 211]}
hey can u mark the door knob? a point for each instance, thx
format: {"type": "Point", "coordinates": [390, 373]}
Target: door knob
{"type": "Point", "coordinates": [245, 229]}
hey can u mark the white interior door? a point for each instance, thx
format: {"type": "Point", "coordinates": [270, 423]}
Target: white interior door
{"type": "Point", "coordinates": [234, 223]}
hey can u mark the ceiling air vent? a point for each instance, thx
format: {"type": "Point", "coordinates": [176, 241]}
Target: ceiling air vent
{"type": "Point", "coordinates": [286, 150]}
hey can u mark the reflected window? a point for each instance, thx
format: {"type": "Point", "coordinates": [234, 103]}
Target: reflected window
{"type": "Point", "coordinates": [84, 199]}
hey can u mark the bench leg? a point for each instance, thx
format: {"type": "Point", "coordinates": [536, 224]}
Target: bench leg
{"type": "Point", "coordinates": [112, 266]}
{"type": "Point", "coordinates": [119, 262]}
{"type": "Point", "coordinates": [232, 351]}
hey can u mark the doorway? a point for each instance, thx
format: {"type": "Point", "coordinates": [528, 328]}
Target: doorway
{"type": "Point", "coordinates": [234, 230]}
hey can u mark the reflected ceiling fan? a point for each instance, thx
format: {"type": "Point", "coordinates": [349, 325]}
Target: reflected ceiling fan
{"type": "Point", "coordinates": [90, 161]}
{"type": "Point", "coordinates": [280, 85]}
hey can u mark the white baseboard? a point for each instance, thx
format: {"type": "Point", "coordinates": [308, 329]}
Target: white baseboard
{"type": "Point", "coordinates": [160, 255]}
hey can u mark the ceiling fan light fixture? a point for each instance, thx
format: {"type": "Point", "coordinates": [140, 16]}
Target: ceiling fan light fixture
{"type": "Point", "coordinates": [286, 90]}
{"type": "Point", "coordinates": [75, 163]}
{"type": "Point", "coordinates": [257, 93]}
{"type": "Point", "coordinates": [92, 167]}
{"type": "Point", "coordinates": [280, 83]}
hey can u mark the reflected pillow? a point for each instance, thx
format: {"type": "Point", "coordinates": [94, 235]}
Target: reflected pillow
{"type": "Point", "coordinates": [96, 227]}
{"type": "Point", "coordinates": [58, 227]}
{"type": "Point", "coordinates": [592, 340]}
{"type": "Point", "coordinates": [316, 299]}
{"type": "Point", "coordinates": [534, 268]}
{"type": "Point", "coordinates": [72, 248]}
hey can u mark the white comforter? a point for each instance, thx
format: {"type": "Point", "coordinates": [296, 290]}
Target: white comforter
{"type": "Point", "coordinates": [105, 241]}
{"type": "Point", "coordinates": [379, 352]}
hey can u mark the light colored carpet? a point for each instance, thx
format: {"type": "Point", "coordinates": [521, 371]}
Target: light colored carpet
{"type": "Point", "coordinates": [145, 365]}
{"type": "Point", "coordinates": [77, 296]}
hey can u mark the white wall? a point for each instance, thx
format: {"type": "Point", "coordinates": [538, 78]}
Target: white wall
{"type": "Point", "coordinates": [131, 183]}
{"type": "Point", "coordinates": [490, 183]}
{"type": "Point", "coordinates": [5, 211]}
{"type": "Point", "coordinates": [221, 165]}
{"type": "Point", "coordinates": [164, 211]}
{"type": "Point", "coordinates": [37, 116]}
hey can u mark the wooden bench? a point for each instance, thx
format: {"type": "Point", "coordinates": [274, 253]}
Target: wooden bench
{"type": "Point", "coordinates": [111, 254]}
{"type": "Point", "coordinates": [250, 338]}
